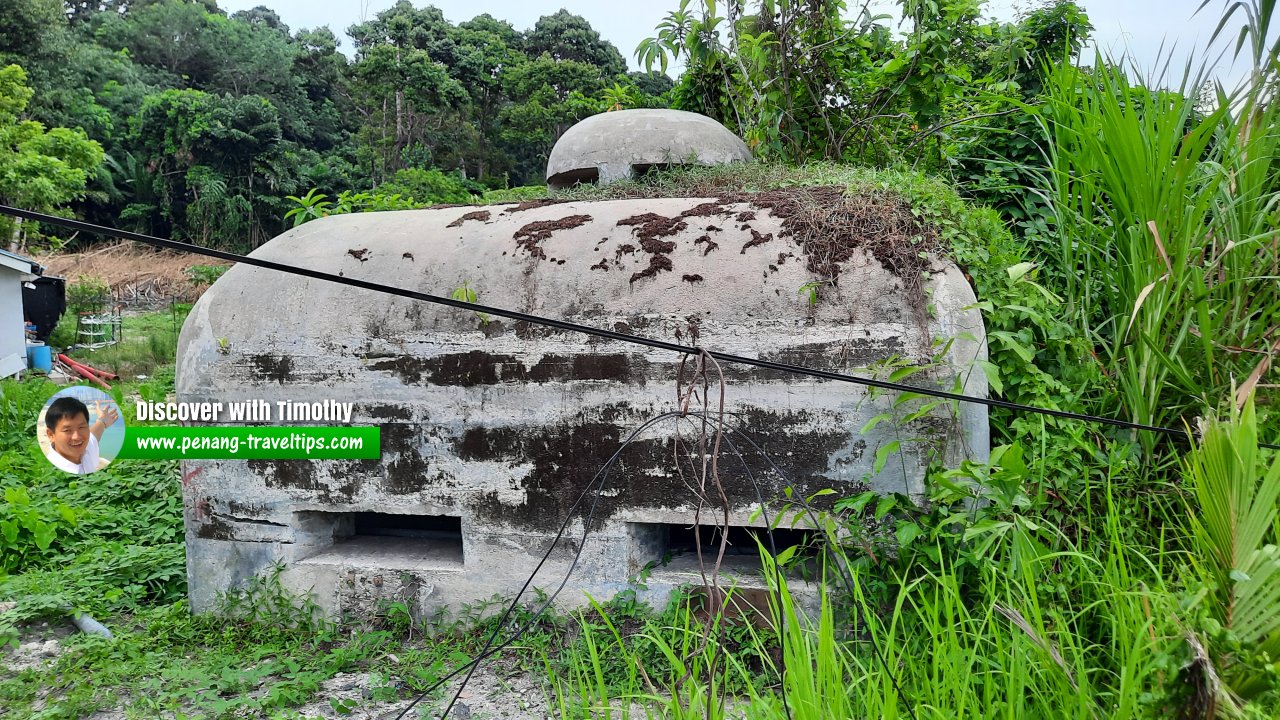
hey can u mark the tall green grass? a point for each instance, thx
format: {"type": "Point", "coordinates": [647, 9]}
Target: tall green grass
{"type": "Point", "coordinates": [938, 648]}
{"type": "Point", "coordinates": [1112, 624]}
{"type": "Point", "coordinates": [1166, 213]}
{"type": "Point", "coordinates": [1121, 647]}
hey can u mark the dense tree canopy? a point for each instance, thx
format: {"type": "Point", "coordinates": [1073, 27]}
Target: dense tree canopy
{"type": "Point", "coordinates": [207, 122]}
{"type": "Point", "coordinates": [569, 37]}
{"type": "Point", "coordinates": [210, 122]}
{"type": "Point", "coordinates": [40, 168]}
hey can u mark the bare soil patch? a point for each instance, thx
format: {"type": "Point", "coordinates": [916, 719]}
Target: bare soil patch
{"type": "Point", "coordinates": [136, 274]}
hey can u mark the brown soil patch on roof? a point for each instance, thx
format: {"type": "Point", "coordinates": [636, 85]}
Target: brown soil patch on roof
{"type": "Point", "coordinates": [657, 263]}
{"type": "Point", "coordinates": [533, 205]}
{"type": "Point", "coordinates": [481, 215]}
{"type": "Point", "coordinates": [530, 235]}
{"type": "Point", "coordinates": [648, 226]}
{"type": "Point", "coordinates": [756, 239]}
{"type": "Point", "coordinates": [657, 247]}
{"type": "Point", "coordinates": [711, 244]}
{"type": "Point", "coordinates": [706, 210]}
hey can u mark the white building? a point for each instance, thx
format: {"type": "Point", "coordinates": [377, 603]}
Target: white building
{"type": "Point", "coordinates": [14, 271]}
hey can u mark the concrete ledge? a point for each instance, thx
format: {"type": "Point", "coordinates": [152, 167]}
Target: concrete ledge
{"type": "Point", "coordinates": [389, 553]}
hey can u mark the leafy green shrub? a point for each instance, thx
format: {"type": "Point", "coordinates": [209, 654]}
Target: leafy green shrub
{"type": "Point", "coordinates": [427, 187]}
{"type": "Point", "coordinates": [88, 293]}
{"type": "Point", "coordinates": [312, 206]}
{"type": "Point", "coordinates": [64, 335]}
{"type": "Point", "coordinates": [206, 274]}
{"type": "Point", "coordinates": [28, 526]}
{"type": "Point", "coordinates": [263, 599]}
{"type": "Point", "coordinates": [1234, 522]}
{"type": "Point", "coordinates": [316, 205]}
{"type": "Point", "coordinates": [516, 194]}
{"type": "Point", "coordinates": [373, 201]}
{"type": "Point", "coordinates": [107, 541]}
{"type": "Point", "coordinates": [107, 578]}
{"type": "Point", "coordinates": [20, 404]}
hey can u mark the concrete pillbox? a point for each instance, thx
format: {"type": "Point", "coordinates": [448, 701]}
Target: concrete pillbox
{"type": "Point", "coordinates": [492, 429]}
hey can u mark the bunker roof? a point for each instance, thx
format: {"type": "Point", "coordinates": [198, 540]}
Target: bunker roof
{"type": "Point", "coordinates": [626, 144]}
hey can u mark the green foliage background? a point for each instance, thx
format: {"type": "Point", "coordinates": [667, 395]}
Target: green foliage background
{"type": "Point", "coordinates": [205, 139]}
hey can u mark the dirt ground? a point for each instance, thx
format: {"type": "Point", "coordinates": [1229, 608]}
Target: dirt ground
{"type": "Point", "coordinates": [493, 693]}
{"type": "Point", "coordinates": [488, 696]}
{"type": "Point", "coordinates": [137, 275]}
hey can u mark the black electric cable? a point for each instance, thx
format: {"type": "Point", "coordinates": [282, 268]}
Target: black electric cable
{"type": "Point", "coordinates": [585, 329]}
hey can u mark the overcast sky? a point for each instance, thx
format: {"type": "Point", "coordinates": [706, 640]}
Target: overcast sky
{"type": "Point", "coordinates": [1139, 26]}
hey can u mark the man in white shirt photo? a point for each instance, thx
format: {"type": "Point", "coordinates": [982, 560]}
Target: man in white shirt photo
{"type": "Point", "coordinates": [73, 442]}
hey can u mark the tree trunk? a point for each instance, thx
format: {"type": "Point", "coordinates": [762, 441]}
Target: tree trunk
{"type": "Point", "coordinates": [15, 241]}
{"type": "Point", "coordinates": [383, 147]}
{"type": "Point", "coordinates": [401, 135]}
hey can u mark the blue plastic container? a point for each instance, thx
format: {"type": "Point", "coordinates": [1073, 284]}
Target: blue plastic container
{"type": "Point", "coordinates": [40, 357]}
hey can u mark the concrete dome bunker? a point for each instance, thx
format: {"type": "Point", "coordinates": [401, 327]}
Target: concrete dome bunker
{"type": "Point", "coordinates": [626, 144]}
{"type": "Point", "coordinates": [491, 429]}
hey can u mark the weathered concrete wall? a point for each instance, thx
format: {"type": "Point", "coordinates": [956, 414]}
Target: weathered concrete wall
{"type": "Point", "coordinates": [503, 425]}
{"type": "Point", "coordinates": [619, 145]}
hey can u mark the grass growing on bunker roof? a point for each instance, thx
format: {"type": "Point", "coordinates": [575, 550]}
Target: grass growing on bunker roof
{"type": "Point", "coordinates": [902, 218]}
{"type": "Point", "coordinates": [905, 220]}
